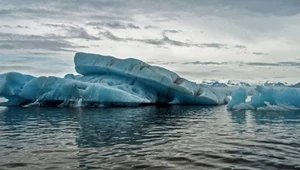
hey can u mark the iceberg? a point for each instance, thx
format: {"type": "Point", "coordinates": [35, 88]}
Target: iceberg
{"type": "Point", "coordinates": [11, 85]}
{"type": "Point", "coordinates": [266, 98]}
{"type": "Point", "coordinates": [106, 81]}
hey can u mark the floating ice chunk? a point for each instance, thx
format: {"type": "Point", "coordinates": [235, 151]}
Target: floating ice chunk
{"type": "Point", "coordinates": [11, 85]}
{"type": "Point", "coordinates": [59, 90]}
{"type": "Point", "coordinates": [267, 98]}
{"type": "Point", "coordinates": [106, 80]}
{"type": "Point", "coordinates": [238, 97]}
{"type": "Point", "coordinates": [166, 84]}
{"type": "Point", "coordinates": [242, 106]}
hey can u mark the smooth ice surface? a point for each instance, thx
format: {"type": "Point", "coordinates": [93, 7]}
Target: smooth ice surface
{"type": "Point", "coordinates": [106, 80]}
{"type": "Point", "coordinates": [267, 98]}
{"type": "Point", "coordinates": [11, 85]}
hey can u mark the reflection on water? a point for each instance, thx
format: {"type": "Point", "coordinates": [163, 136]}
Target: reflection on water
{"type": "Point", "coordinates": [177, 137]}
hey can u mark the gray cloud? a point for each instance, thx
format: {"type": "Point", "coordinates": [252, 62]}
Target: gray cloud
{"type": "Point", "coordinates": [61, 10]}
{"type": "Point", "coordinates": [263, 64]}
{"type": "Point", "coordinates": [32, 59]}
{"type": "Point", "coordinates": [171, 31]}
{"type": "Point", "coordinates": [240, 46]}
{"type": "Point", "coordinates": [289, 63]}
{"type": "Point", "coordinates": [30, 42]}
{"type": "Point", "coordinates": [27, 68]}
{"type": "Point", "coordinates": [266, 7]}
{"type": "Point", "coordinates": [22, 27]}
{"type": "Point", "coordinates": [108, 17]}
{"type": "Point", "coordinates": [275, 7]}
{"type": "Point", "coordinates": [6, 26]}
{"type": "Point", "coordinates": [214, 45]}
{"type": "Point", "coordinates": [15, 67]}
{"type": "Point", "coordinates": [114, 25]}
{"type": "Point", "coordinates": [130, 7]}
{"type": "Point", "coordinates": [150, 27]}
{"type": "Point", "coordinates": [165, 40]}
{"type": "Point", "coordinates": [79, 32]}
{"type": "Point", "coordinates": [11, 36]}
{"type": "Point", "coordinates": [161, 18]}
{"type": "Point", "coordinates": [71, 32]}
{"type": "Point", "coordinates": [205, 63]}
{"type": "Point", "coordinates": [202, 7]}
{"type": "Point", "coordinates": [18, 26]}
{"type": "Point", "coordinates": [63, 26]}
{"type": "Point", "coordinates": [285, 63]}
{"type": "Point", "coordinates": [32, 12]}
{"type": "Point", "coordinates": [111, 36]}
{"type": "Point", "coordinates": [42, 53]}
{"type": "Point", "coordinates": [51, 45]}
{"type": "Point", "coordinates": [158, 42]}
{"type": "Point", "coordinates": [246, 22]}
{"type": "Point", "coordinates": [132, 26]}
{"type": "Point", "coordinates": [259, 53]}
{"type": "Point", "coordinates": [39, 64]}
{"type": "Point", "coordinates": [161, 62]}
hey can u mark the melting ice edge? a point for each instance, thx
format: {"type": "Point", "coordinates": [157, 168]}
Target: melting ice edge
{"type": "Point", "coordinates": [108, 81]}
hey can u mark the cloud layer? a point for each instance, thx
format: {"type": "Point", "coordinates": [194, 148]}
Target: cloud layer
{"type": "Point", "coordinates": [191, 32]}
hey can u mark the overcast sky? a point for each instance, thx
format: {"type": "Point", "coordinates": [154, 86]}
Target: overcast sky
{"type": "Point", "coordinates": [248, 40]}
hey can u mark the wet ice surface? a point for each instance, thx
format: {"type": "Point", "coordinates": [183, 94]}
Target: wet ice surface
{"type": "Point", "coordinates": [177, 137]}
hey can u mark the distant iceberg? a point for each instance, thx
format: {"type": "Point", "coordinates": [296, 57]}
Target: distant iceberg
{"type": "Point", "coordinates": [266, 98]}
{"type": "Point", "coordinates": [106, 81]}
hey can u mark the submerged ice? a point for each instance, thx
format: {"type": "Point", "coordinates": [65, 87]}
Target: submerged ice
{"type": "Point", "coordinates": [106, 80]}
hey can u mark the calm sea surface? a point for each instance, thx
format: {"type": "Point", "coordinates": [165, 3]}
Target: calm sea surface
{"type": "Point", "coordinates": [177, 137]}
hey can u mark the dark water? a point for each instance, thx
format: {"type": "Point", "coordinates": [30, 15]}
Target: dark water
{"type": "Point", "coordinates": [180, 137]}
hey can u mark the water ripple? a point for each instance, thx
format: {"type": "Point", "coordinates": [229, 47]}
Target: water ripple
{"type": "Point", "coordinates": [177, 137]}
